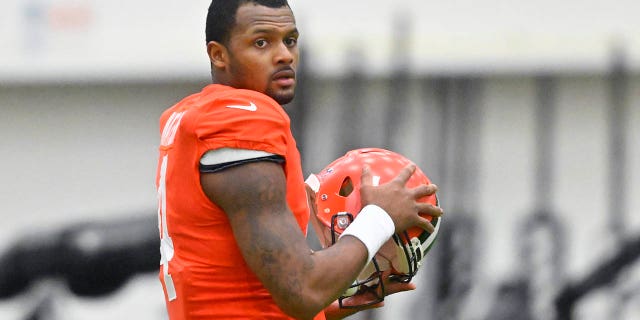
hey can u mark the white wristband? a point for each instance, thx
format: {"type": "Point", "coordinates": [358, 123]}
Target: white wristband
{"type": "Point", "coordinates": [373, 227]}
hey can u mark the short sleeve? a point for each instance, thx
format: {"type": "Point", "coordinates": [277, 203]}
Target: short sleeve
{"type": "Point", "coordinates": [243, 120]}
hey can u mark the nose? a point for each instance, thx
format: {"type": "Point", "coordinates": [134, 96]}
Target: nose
{"type": "Point", "coordinates": [284, 54]}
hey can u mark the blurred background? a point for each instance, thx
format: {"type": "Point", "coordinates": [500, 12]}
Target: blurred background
{"type": "Point", "coordinates": [525, 113]}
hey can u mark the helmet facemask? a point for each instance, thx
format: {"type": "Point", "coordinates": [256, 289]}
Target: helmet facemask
{"type": "Point", "coordinates": [369, 279]}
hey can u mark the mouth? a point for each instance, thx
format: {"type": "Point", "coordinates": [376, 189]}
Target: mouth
{"type": "Point", "coordinates": [285, 77]}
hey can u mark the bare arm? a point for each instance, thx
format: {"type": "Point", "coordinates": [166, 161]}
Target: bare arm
{"type": "Point", "coordinates": [301, 282]}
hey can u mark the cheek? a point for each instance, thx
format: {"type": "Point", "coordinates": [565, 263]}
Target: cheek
{"type": "Point", "coordinates": [250, 72]}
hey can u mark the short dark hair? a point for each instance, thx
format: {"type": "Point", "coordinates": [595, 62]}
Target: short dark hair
{"type": "Point", "coordinates": [222, 16]}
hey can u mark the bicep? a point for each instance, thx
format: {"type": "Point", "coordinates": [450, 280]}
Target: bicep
{"type": "Point", "coordinates": [253, 196]}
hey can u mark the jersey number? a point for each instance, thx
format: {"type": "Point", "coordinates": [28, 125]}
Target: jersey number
{"type": "Point", "coordinates": [166, 245]}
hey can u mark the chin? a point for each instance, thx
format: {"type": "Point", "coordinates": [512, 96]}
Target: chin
{"type": "Point", "coordinates": [284, 100]}
{"type": "Point", "coordinates": [283, 97]}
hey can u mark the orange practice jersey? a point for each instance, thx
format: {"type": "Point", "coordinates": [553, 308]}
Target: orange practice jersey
{"type": "Point", "coordinates": [202, 270]}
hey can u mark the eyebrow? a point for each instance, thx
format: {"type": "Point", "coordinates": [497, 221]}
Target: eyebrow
{"type": "Point", "coordinates": [270, 30]}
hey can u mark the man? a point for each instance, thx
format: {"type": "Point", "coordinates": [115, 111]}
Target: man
{"type": "Point", "coordinates": [233, 208]}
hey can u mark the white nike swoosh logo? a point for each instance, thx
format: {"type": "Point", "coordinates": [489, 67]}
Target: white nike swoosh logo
{"type": "Point", "coordinates": [250, 107]}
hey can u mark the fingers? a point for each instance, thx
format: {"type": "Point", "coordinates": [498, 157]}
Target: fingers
{"type": "Point", "coordinates": [392, 286]}
{"type": "Point", "coordinates": [424, 190]}
{"type": "Point", "coordinates": [395, 287]}
{"type": "Point", "coordinates": [366, 179]}
{"type": "Point", "coordinates": [429, 209]}
{"type": "Point", "coordinates": [362, 301]}
{"type": "Point", "coordinates": [333, 311]}
{"type": "Point", "coordinates": [405, 174]}
{"type": "Point", "coordinates": [425, 224]}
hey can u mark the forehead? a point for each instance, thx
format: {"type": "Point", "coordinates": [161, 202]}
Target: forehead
{"type": "Point", "coordinates": [251, 17]}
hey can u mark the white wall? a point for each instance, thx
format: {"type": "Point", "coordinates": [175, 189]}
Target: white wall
{"type": "Point", "coordinates": [73, 152]}
{"type": "Point", "coordinates": [75, 40]}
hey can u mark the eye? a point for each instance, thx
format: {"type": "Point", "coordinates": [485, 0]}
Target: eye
{"type": "Point", "coordinates": [260, 43]}
{"type": "Point", "coordinates": [291, 42]}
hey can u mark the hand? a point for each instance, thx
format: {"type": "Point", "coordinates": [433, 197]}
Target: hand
{"type": "Point", "coordinates": [399, 201]}
{"type": "Point", "coordinates": [334, 312]}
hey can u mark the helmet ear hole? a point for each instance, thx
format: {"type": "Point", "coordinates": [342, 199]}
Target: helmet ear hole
{"type": "Point", "coordinates": [346, 188]}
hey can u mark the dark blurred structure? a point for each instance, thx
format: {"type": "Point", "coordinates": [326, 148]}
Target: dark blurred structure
{"type": "Point", "coordinates": [606, 273]}
{"type": "Point", "coordinates": [93, 259]}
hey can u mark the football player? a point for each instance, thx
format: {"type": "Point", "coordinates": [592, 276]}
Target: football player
{"type": "Point", "coordinates": [232, 203]}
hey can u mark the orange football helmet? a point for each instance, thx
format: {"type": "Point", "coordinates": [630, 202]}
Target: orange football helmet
{"type": "Point", "coordinates": [337, 202]}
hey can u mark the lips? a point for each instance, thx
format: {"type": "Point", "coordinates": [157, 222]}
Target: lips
{"type": "Point", "coordinates": [285, 77]}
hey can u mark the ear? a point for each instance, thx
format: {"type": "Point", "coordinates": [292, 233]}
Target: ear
{"type": "Point", "coordinates": [217, 54]}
